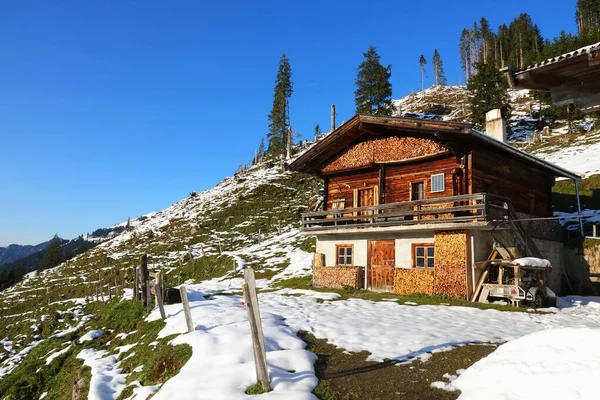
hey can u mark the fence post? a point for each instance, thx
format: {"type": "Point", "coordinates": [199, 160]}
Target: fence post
{"type": "Point", "coordinates": [258, 341]}
{"type": "Point", "coordinates": [144, 281]}
{"type": "Point", "coordinates": [148, 297]}
{"type": "Point", "coordinates": [186, 309]}
{"type": "Point", "coordinates": [159, 300]}
{"type": "Point", "coordinates": [136, 279]}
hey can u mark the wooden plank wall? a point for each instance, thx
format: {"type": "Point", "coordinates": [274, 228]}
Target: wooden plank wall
{"type": "Point", "coordinates": [505, 176]}
{"type": "Point", "coordinates": [342, 186]}
{"type": "Point", "coordinates": [398, 178]}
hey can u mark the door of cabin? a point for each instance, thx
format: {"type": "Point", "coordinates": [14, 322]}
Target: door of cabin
{"type": "Point", "coordinates": [365, 198]}
{"type": "Point", "coordinates": [381, 264]}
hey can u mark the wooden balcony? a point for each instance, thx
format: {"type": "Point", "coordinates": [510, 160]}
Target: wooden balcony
{"type": "Point", "coordinates": [477, 208]}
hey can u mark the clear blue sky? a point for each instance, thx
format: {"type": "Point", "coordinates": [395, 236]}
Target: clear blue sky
{"type": "Point", "coordinates": [113, 109]}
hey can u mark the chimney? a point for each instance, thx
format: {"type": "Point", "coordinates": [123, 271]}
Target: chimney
{"type": "Point", "coordinates": [495, 126]}
{"type": "Point", "coordinates": [332, 117]}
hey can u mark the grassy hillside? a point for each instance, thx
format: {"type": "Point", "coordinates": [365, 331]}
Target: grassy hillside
{"type": "Point", "coordinates": [254, 215]}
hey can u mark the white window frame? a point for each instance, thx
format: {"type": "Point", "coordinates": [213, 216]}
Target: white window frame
{"type": "Point", "coordinates": [438, 183]}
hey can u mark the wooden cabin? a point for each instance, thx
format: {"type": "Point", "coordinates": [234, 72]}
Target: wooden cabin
{"type": "Point", "coordinates": [410, 205]}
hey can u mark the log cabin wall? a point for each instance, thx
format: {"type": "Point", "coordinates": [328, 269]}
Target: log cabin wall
{"type": "Point", "coordinates": [528, 187]}
{"type": "Point", "coordinates": [343, 186]}
{"type": "Point", "coordinates": [398, 178]}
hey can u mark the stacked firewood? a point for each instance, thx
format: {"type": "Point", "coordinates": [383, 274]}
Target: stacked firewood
{"type": "Point", "coordinates": [407, 281]}
{"type": "Point", "coordinates": [451, 264]}
{"type": "Point", "coordinates": [384, 150]}
{"type": "Point", "coordinates": [335, 277]}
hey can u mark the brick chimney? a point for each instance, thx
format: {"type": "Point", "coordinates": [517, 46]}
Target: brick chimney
{"type": "Point", "coordinates": [495, 126]}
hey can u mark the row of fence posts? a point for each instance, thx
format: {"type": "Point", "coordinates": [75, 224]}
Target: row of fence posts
{"type": "Point", "coordinates": [141, 291]}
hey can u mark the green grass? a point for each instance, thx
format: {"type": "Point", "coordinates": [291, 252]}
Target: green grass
{"type": "Point", "coordinates": [564, 198]}
{"type": "Point", "coordinates": [344, 375]}
{"type": "Point", "coordinates": [257, 388]}
{"type": "Point", "coordinates": [203, 268]}
{"type": "Point", "coordinates": [419, 298]}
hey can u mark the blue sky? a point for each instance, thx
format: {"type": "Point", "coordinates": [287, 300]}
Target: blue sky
{"type": "Point", "coordinates": [113, 109]}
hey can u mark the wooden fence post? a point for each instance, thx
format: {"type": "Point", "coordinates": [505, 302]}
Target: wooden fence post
{"type": "Point", "coordinates": [135, 283]}
{"type": "Point", "coordinates": [109, 292]}
{"type": "Point", "coordinates": [258, 341]}
{"type": "Point", "coordinates": [186, 309]}
{"type": "Point", "coordinates": [159, 300]}
{"type": "Point", "coordinates": [148, 296]}
{"type": "Point", "coordinates": [96, 292]}
{"type": "Point", "coordinates": [144, 280]}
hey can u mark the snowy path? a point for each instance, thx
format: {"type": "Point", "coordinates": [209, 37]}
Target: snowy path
{"type": "Point", "coordinates": [107, 380]}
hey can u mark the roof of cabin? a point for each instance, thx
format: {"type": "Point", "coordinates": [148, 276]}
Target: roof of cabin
{"type": "Point", "coordinates": [362, 125]}
{"type": "Point", "coordinates": [573, 77]}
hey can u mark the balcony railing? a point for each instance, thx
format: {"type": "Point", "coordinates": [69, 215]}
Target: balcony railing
{"type": "Point", "coordinates": [480, 207]}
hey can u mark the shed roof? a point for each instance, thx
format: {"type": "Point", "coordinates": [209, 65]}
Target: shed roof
{"type": "Point", "coordinates": [362, 125]}
{"type": "Point", "coordinates": [573, 77]}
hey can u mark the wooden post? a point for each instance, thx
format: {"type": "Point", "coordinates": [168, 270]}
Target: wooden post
{"type": "Point", "coordinates": [157, 288]}
{"type": "Point", "coordinates": [102, 293]}
{"type": "Point", "coordinates": [96, 292]}
{"type": "Point", "coordinates": [136, 280]}
{"type": "Point", "coordinates": [144, 281]}
{"type": "Point", "coordinates": [258, 341]}
{"type": "Point", "coordinates": [159, 300]}
{"type": "Point", "coordinates": [148, 297]}
{"type": "Point", "coordinates": [186, 309]}
{"type": "Point", "coordinates": [109, 292]}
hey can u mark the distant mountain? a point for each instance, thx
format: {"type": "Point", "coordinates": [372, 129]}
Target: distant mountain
{"type": "Point", "coordinates": [15, 252]}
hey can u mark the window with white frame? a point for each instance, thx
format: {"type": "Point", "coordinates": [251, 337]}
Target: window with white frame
{"type": "Point", "coordinates": [437, 183]}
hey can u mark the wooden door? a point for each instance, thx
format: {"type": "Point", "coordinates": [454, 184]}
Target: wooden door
{"type": "Point", "coordinates": [364, 198]}
{"type": "Point", "coordinates": [381, 265]}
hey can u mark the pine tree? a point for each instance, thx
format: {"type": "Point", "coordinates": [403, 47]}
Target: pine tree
{"type": "Point", "coordinates": [422, 63]}
{"type": "Point", "coordinates": [317, 130]}
{"type": "Point", "coordinates": [487, 91]}
{"type": "Point", "coordinates": [587, 17]}
{"type": "Point", "coordinates": [279, 116]}
{"type": "Point", "coordinates": [261, 149]}
{"type": "Point", "coordinates": [438, 69]}
{"type": "Point", "coordinates": [373, 94]}
{"type": "Point", "coordinates": [464, 46]}
{"type": "Point", "coordinates": [52, 255]}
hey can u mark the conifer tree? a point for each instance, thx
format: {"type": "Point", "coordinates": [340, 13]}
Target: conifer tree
{"type": "Point", "coordinates": [279, 116]}
{"type": "Point", "coordinates": [52, 255]}
{"type": "Point", "coordinates": [373, 94]}
{"type": "Point", "coordinates": [317, 130]}
{"type": "Point", "coordinates": [487, 91]}
{"type": "Point", "coordinates": [438, 69]}
{"type": "Point", "coordinates": [261, 149]}
{"type": "Point", "coordinates": [422, 63]}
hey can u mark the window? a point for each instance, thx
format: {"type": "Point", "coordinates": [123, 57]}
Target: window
{"type": "Point", "coordinates": [423, 256]}
{"type": "Point", "coordinates": [418, 191]}
{"type": "Point", "coordinates": [344, 254]}
{"type": "Point", "coordinates": [338, 204]}
{"type": "Point", "coordinates": [437, 183]}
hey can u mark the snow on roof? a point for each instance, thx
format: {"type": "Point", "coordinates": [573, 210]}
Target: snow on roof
{"type": "Point", "coordinates": [584, 50]}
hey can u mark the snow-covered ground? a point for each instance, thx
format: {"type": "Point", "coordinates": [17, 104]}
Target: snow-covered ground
{"type": "Point", "coordinates": [554, 364]}
{"type": "Point", "coordinates": [222, 364]}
